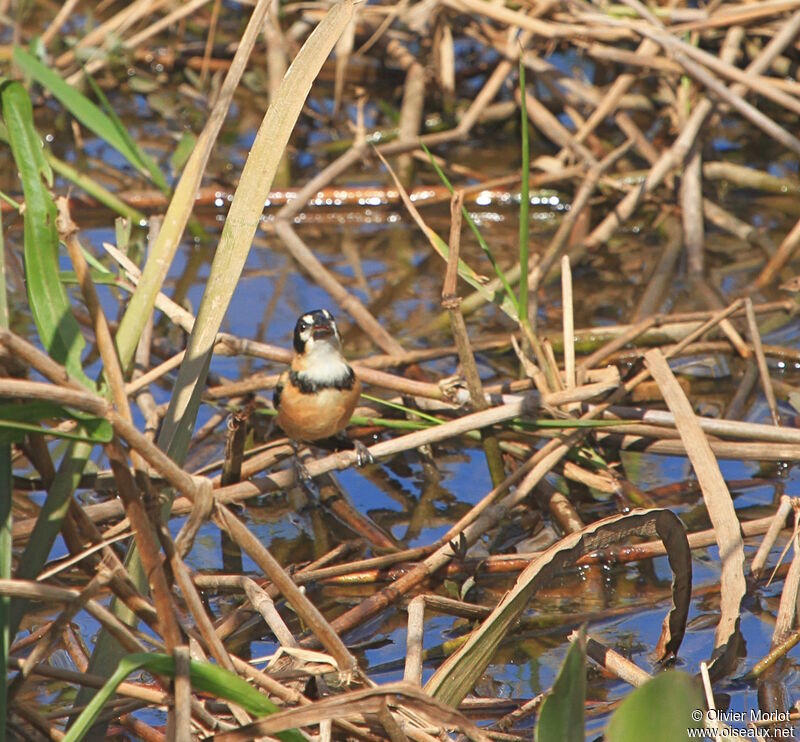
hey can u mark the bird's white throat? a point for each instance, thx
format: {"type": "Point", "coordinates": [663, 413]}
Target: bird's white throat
{"type": "Point", "coordinates": [324, 364]}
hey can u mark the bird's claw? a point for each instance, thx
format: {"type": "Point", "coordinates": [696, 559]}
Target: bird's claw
{"type": "Point", "coordinates": [363, 456]}
{"type": "Point", "coordinates": [300, 471]}
{"type": "Point", "coordinates": [304, 479]}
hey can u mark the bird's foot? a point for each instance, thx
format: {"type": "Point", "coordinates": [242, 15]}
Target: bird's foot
{"type": "Point", "coordinates": [305, 480]}
{"type": "Point", "coordinates": [363, 456]}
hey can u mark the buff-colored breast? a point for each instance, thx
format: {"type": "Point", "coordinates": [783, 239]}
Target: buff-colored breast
{"type": "Point", "coordinates": [310, 417]}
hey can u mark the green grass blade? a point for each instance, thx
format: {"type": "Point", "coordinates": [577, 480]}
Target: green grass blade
{"type": "Point", "coordinates": [11, 432]}
{"type": "Point", "coordinates": [95, 190]}
{"type": "Point", "coordinates": [18, 419]}
{"type": "Point", "coordinates": [203, 676]}
{"type": "Point", "coordinates": [10, 201]}
{"type": "Point", "coordinates": [562, 714]}
{"type": "Point", "coordinates": [180, 155]}
{"type": "Point", "coordinates": [84, 110]}
{"type": "Point", "coordinates": [525, 199]}
{"type": "Point", "coordinates": [402, 408]}
{"type": "Point", "coordinates": [474, 227]}
{"type": "Point", "coordinates": [103, 277]}
{"type": "Point", "coordinates": [58, 329]}
{"type": "Point", "coordinates": [467, 274]}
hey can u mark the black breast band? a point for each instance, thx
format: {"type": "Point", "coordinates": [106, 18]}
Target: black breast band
{"type": "Point", "coordinates": [309, 386]}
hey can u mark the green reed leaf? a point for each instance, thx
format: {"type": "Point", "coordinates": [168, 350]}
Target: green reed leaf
{"type": "Point", "coordinates": [562, 713]}
{"type": "Point", "coordinates": [474, 227]}
{"type": "Point", "coordinates": [203, 676]}
{"type": "Point", "coordinates": [58, 329]}
{"type": "Point", "coordinates": [107, 128]}
{"type": "Point", "coordinates": [16, 420]}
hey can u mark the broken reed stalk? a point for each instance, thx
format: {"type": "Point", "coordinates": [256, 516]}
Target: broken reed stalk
{"type": "Point", "coordinates": [761, 361]}
{"type": "Point", "coordinates": [568, 323]}
{"type": "Point", "coordinates": [451, 302]}
{"type": "Point", "coordinates": [414, 655]}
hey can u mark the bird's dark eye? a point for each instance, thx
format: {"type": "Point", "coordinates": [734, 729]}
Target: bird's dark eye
{"type": "Point", "coordinates": [303, 326]}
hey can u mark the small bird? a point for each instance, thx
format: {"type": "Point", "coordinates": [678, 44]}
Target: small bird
{"type": "Point", "coordinates": [316, 397]}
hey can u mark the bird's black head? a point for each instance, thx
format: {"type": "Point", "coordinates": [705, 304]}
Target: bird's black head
{"type": "Point", "coordinates": [315, 325]}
